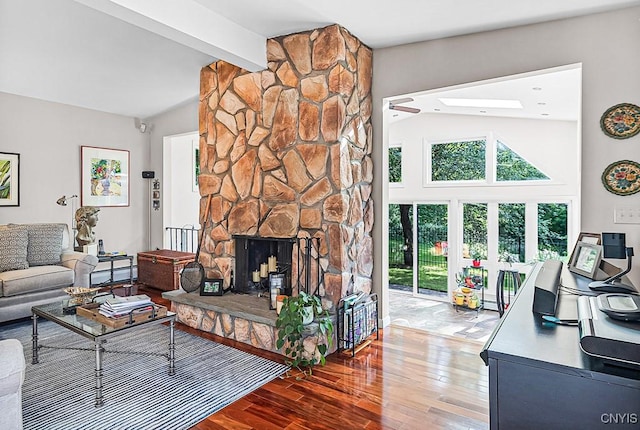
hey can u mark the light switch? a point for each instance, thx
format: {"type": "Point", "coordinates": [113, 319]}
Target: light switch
{"type": "Point", "coordinates": [626, 215]}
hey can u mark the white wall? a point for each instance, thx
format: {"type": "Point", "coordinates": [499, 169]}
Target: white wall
{"type": "Point", "coordinates": [182, 119]}
{"type": "Point", "coordinates": [551, 146]}
{"type": "Point", "coordinates": [48, 137]}
{"type": "Point", "coordinates": [180, 199]}
{"type": "Point", "coordinates": [609, 77]}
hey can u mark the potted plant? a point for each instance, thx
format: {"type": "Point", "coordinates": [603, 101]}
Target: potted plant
{"type": "Point", "coordinates": [478, 251]}
{"type": "Point", "coordinates": [292, 328]}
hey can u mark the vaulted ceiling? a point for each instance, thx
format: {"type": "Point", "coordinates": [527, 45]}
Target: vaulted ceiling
{"type": "Point", "coordinates": [142, 58]}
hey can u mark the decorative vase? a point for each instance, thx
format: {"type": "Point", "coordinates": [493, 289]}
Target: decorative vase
{"type": "Point", "coordinates": [307, 315]}
{"type": "Point", "coordinates": [279, 301]}
{"type": "Point", "coordinates": [476, 263]}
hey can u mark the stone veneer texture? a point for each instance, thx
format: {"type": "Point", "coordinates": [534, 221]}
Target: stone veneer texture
{"type": "Point", "coordinates": [286, 152]}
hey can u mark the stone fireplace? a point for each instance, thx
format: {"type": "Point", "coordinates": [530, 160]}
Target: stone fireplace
{"type": "Point", "coordinates": [286, 153]}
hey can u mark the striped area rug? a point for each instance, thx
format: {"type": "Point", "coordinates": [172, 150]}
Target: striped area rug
{"type": "Point", "coordinates": [58, 393]}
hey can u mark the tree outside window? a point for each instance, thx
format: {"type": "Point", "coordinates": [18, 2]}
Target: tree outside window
{"type": "Point", "coordinates": [458, 161]}
{"type": "Point", "coordinates": [395, 164]}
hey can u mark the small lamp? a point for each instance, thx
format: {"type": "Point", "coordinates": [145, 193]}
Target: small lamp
{"type": "Point", "coordinates": [62, 201]}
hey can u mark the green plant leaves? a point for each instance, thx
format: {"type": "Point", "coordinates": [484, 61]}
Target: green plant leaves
{"type": "Point", "coordinates": [290, 330]}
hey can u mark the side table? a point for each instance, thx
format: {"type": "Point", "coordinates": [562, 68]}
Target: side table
{"type": "Point", "coordinates": [111, 258]}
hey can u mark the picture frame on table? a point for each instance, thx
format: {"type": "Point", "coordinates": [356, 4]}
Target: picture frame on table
{"type": "Point", "coordinates": [592, 238]}
{"type": "Point", "coordinates": [276, 287]}
{"type": "Point", "coordinates": [586, 259]}
{"type": "Point", "coordinates": [9, 179]}
{"type": "Point", "coordinates": [104, 177]}
{"type": "Point", "coordinates": [212, 287]}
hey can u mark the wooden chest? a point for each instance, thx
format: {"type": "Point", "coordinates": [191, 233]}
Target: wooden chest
{"type": "Point", "coordinates": [161, 269]}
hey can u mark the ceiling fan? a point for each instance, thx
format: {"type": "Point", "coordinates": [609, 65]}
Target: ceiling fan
{"type": "Point", "coordinates": [394, 105]}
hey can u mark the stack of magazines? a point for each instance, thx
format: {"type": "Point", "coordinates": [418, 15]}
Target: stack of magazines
{"type": "Point", "coordinates": [115, 307]}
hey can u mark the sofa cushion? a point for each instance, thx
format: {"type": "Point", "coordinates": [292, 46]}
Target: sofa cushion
{"type": "Point", "coordinates": [45, 244]}
{"type": "Point", "coordinates": [14, 242]}
{"type": "Point", "coordinates": [39, 278]}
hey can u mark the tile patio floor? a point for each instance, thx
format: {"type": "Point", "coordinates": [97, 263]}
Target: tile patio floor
{"type": "Point", "coordinates": [440, 317]}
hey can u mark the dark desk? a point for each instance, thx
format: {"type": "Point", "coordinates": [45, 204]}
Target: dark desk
{"type": "Point", "coordinates": [540, 379]}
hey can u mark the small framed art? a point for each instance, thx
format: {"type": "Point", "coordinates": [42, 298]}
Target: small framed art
{"type": "Point", "coordinates": [9, 179]}
{"type": "Point", "coordinates": [212, 287]}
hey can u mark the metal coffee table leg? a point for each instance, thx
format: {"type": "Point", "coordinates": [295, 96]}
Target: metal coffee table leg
{"type": "Point", "coordinates": [34, 340]}
{"type": "Point", "coordinates": [172, 347]}
{"type": "Point", "coordinates": [99, 351]}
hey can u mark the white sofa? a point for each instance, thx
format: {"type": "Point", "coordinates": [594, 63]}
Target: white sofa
{"type": "Point", "coordinates": [36, 262]}
{"type": "Point", "coordinates": [12, 367]}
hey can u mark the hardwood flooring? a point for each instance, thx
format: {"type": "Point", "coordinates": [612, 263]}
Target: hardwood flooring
{"type": "Point", "coordinates": [408, 379]}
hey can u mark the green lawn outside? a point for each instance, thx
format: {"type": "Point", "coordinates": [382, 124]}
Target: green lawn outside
{"type": "Point", "coordinates": [432, 274]}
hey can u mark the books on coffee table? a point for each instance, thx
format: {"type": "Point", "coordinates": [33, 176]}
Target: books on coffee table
{"type": "Point", "coordinates": [115, 307]}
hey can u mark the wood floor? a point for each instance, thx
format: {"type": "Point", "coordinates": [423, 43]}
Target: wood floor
{"type": "Point", "coordinates": [406, 380]}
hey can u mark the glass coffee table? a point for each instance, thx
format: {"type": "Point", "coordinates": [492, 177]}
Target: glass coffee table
{"type": "Point", "coordinates": [96, 332]}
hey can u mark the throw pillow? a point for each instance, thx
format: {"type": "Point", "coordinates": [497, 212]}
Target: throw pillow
{"type": "Point", "coordinates": [45, 244]}
{"type": "Point", "coordinates": [14, 248]}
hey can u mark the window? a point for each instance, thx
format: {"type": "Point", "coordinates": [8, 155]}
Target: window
{"type": "Point", "coordinates": [512, 167]}
{"type": "Point", "coordinates": [395, 164]}
{"type": "Point", "coordinates": [511, 232]}
{"type": "Point", "coordinates": [473, 160]}
{"type": "Point", "coordinates": [458, 161]}
{"type": "Point", "coordinates": [552, 231]}
{"type": "Point", "coordinates": [474, 230]}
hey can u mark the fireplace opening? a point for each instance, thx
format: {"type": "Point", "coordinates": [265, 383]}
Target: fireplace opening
{"type": "Point", "coordinates": [256, 257]}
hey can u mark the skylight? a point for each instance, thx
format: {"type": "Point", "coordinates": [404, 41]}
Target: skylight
{"type": "Point", "coordinates": [482, 103]}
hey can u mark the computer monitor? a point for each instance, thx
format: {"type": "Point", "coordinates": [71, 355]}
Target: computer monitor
{"type": "Point", "coordinates": [614, 246]}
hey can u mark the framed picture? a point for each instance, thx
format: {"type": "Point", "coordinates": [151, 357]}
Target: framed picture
{"type": "Point", "coordinates": [105, 177]}
{"type": "Point", "coordinates": [586, 259]}
{"type": "Point", "coordinates": [592, 238]}
{"type": "Point", "coordinates": [212, 287]}
{"type": "Point", "coordinates": [196, 166]}
{"type": "Point", "coordinates": [276, 287]}
{"type": "Point", "coordinates": [9, 179]}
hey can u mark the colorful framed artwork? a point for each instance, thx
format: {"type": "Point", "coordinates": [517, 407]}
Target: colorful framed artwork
{"type": "Point", "coordinates": [622, 177]}
{"type": "Point", "coordinates": [9, 179]}
{"type": "Point", "coordinates": [105, 177]}
{"type": "Point", "coordinates": [621, 121]}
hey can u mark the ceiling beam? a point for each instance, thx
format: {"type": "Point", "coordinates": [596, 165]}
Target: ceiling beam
{"type": "Point", "coordinates": [191, 24]}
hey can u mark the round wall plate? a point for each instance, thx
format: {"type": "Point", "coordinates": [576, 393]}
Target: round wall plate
{"type": "Point", "coordinates": [622, 177]}
{"type": "Point", "coordinates": [621, 121]}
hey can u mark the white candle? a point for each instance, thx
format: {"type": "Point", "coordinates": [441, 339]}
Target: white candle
{"type": "Point", "coordinates": [272, 263]}
{"type": "Point", "coordinates": [264, 270]}
{"type": "Point", "coordinates": [256, 276]}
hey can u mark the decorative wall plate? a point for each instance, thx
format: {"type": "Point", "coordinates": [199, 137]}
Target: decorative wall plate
{"type": "Point", "coordinates": [622, 177]}
{"type": "Point", "coordinates": [621, 121]}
